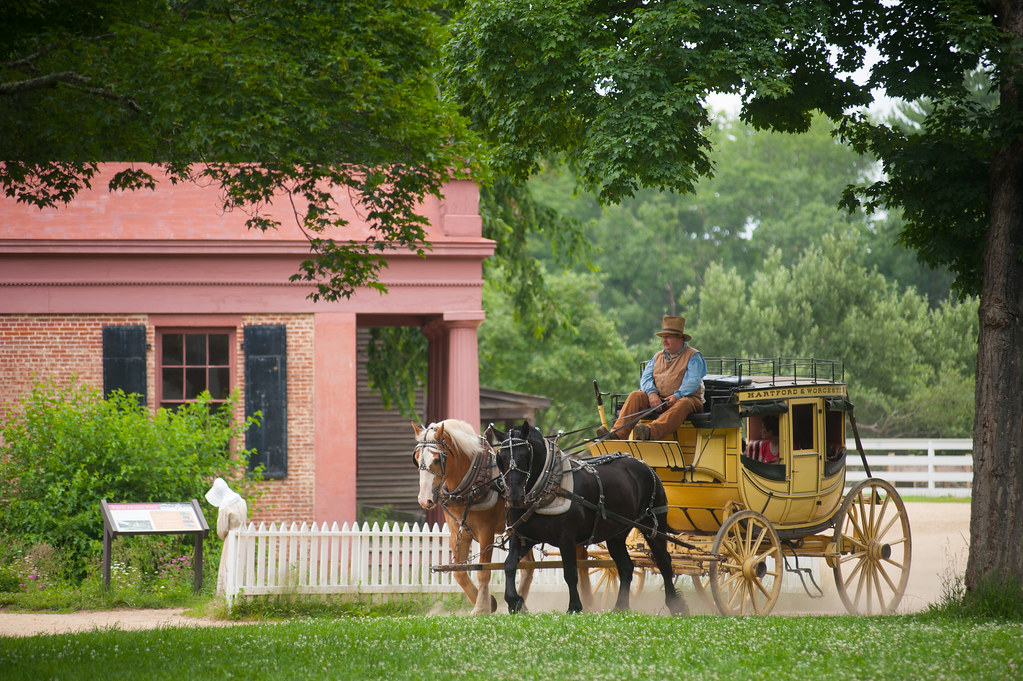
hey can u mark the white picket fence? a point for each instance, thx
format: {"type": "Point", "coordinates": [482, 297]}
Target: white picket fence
{"type": "Point", "coordinates": [315, 559]}
{"type": "Point", "coordinates": [917, 467]}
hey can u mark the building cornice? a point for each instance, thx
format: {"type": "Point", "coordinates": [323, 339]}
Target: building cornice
{"type": "Point", "coordinates": [428, 283]}
{"type": "Point", "coordinates": [482, 248]}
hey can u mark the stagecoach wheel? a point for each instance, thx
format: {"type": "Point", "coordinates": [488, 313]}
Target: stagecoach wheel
{"type": "Point", "coordinates": [747, 578]}
{"type": "Point", "coordinates": [605, 585]}
{"type": "Point", "coordinates": [701, 585]}
{"type": "Point", "coordinates": [875, 547]}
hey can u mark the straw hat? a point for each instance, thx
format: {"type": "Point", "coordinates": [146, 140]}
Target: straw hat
{"type": "Point", "coordinates": [221, 495]}
{"type": "Point", "coordinates": [674, 326]}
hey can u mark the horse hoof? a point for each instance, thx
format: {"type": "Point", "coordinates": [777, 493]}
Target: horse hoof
{"type": "Point", "coordinates": [678, 608]}
{"type": "Point", "coordinates": [493, 604]}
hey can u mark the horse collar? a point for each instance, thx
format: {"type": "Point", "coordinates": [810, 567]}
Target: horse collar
{"type": "Point", "coordinates": [477, 484]}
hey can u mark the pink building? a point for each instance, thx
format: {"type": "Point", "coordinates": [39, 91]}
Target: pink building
{"type": "Point", "coordinates": [161, 294]}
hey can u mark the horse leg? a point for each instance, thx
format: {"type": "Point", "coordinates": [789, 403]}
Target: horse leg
{"type": "Point", "coordinates": [516, 548]}
{"type": "Point", "coordinates": [526, 578]}
{"type": "Point", "coordinates": [485, 602]}
{"type": "Point", "coordinates": [461, 543]}
{"type": "Point", "coordinates": [571, 573]}
{"type": "Point", "coordinates": [672, 598]}
{"type": "Point", "coordinates": [585, 586]}
{"type": "Point", "coordinates": [623, 563]}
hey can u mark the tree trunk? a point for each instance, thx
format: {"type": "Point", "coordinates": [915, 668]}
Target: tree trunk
{"type": "Point", "coordinates": [996, 524]}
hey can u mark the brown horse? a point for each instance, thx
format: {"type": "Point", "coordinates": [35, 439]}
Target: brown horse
{"type": "Point", "coordinates": [458, 470]}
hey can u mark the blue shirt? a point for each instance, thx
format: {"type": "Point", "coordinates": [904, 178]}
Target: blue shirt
{"type": "Point", "coordinates": [695, 372]}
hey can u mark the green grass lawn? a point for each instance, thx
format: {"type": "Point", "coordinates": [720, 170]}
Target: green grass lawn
{"type": "Point", "coordinates": [618, 646]}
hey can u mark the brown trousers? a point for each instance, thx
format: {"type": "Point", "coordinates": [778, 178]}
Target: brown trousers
{"type": "Point", "coordinates": [665, 423]}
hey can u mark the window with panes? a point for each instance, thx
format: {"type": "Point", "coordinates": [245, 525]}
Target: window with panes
{"type": "Point", "coordinates": [191, 361]}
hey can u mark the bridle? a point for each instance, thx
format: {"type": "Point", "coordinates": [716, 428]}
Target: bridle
{"type": "Point", "coordinates": [540, 491]}
{"type": "Point", "coordinates": [441, 449]}
{"type": "Point", "coordinates": [511, 443]}
{"type": "Point", "coordinates": [475, 485]}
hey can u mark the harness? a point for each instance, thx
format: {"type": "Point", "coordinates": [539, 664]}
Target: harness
{"type": "Point", "coordinates": [476, 488]}
{"type": "Point", "coordinates": [547, 485]}
{"type": "Point", "coordinates": [600, 507]}
{"type": "Point", "coordinates": [547, 488]}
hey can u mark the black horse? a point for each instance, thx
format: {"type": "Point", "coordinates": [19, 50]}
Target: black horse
{"type": "Point", "coordinates": [609, 497]}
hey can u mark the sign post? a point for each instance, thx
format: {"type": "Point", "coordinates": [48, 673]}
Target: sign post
{"type": "Point", "coordinates": [154, 518]}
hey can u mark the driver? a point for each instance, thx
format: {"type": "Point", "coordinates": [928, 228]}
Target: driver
{"type": "Point", "coordinates": [672, 382]}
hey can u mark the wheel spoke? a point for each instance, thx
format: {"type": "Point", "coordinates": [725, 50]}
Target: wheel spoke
{"type": "Point", "coordinates": [760, 587]}
{"type": "Point", "coordinates": [869, 578]}
{"type": "Point", "coordinates": [751, 598]}
{"type": "Point", "coordinates": [887, 579]}
{"type": "Point", "coordinates": [887, 528]}
{"type": "Point", "coordinates": [852, 574]}
{"type": "Point", "coordinates": [745, 540]}
{"type": "Point", "coordinates": [879, 591]}
{"type": "Point", "coordinates": [755, 548]}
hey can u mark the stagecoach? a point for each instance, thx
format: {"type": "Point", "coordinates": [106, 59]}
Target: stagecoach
{"type": "Point", "coordinates": [734, 524]}
{"type": "Point", "coordinates": [738, 525]}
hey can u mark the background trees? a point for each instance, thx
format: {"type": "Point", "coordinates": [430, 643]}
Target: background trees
{"type": "Point", "coordinates": [832, 293]}
{"type": "Point", "coordinates": [618, 90]}
{"type": "Point", "coordinates": [910, 367]}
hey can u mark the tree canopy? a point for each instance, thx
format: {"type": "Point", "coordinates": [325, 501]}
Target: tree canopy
{"type": "Point", "coordinates": [910, 367]}
{"type": "Point", "coordinates": [311, 102]}
{"type": "Point", "coordinates": [619, 88]}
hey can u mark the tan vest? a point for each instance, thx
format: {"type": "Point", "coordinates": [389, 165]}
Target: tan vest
{"type": "Point", "coordinates": [668, 375]}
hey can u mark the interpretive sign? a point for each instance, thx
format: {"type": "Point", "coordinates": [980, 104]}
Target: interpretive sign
{"type": "Point", "coordinates": [154, 518]}
{"type": "Point", "coordinates": [157, 518]}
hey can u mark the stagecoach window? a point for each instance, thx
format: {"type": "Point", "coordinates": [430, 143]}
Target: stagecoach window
{"type": "Point", "coordinates": [833, 434]}
{"type": "Point", "coordinates": [803, 427]}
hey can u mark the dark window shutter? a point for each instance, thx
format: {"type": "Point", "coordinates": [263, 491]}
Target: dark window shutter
{"type": "Point", "coordinates": [124, 360]}
{"type": "Point", "coordinates": [266, 392]}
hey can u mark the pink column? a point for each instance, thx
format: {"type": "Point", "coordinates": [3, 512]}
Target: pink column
{"type": "Point", "coordinates": [437, 370]}
{"type": "Point", "coordinates": [335, 387]}
{"type": "Point", "coordinates": [453, 389]}
{"type": "Point", "coordinates": [463, 376]}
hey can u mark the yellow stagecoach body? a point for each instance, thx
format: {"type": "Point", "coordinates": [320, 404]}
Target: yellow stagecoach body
{"type": "Point", "coordinates": [740, 520]}
{"type": "Point", "coordinates": [705, 472]}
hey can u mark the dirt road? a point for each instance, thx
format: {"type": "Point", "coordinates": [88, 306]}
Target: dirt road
{"type": "Point", "coordinates": [940, 534]}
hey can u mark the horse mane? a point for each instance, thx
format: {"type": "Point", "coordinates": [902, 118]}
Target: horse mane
{"type": "Point", "coordinates": [463, 436]}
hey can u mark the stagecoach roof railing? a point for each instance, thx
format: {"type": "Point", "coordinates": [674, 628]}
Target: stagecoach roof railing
{"type": "Point", "coordinates": [779, 370]}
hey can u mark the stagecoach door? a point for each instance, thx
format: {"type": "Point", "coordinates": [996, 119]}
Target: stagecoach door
{"type": "Point", "coordinates": [806, 425]}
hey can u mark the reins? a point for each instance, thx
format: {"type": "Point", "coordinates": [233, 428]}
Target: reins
{"type": "Point", "coordinates": [538, 492]}
{"type": "Point", "coordinates": [603, 511]}
{"type": "Point", "coordinates": [581, 447]}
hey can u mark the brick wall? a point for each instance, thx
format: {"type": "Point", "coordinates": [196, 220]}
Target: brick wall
{"type": "Point", "coordinates": [35, 348]}
{"type": "Point", "coordinates": [292, 498]}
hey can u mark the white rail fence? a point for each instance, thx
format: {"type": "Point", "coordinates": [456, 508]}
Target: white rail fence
{"type": "Point", "coordinates": [917, 467]}
{"type": "Point", "coordinates": [315, 559]}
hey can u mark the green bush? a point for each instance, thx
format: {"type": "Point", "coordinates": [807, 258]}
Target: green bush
{"type": "Point", "coordinates": [67, 448]}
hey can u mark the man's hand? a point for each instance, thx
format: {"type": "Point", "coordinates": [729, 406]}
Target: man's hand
{"type": "Point", "coordinates": [670, 400]}
{"type": "Point", "coordinates": [655, 400]}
